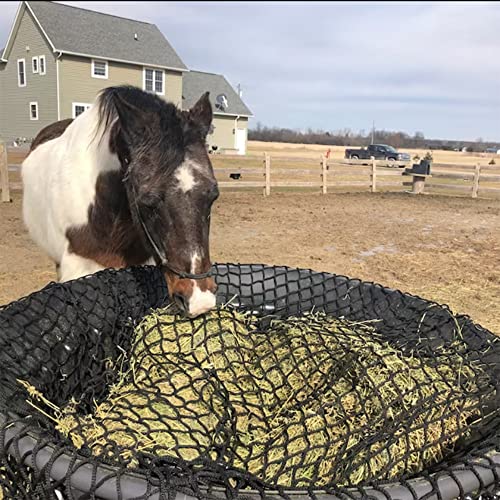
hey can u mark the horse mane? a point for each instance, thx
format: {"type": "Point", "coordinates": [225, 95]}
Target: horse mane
{"type": "Point", "coordinates": [117, 101]}
{"type": "Point", "coordinates": [125, 107]}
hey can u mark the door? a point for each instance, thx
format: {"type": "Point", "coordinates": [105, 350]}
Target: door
{"type": "Point", "coordinates": [241, 140]}
{"type": "Point", "coordinates": [379, 153]}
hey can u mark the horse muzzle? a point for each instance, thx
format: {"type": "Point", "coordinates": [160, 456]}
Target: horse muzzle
{"type": "Point", "coordinates": [194, 297]}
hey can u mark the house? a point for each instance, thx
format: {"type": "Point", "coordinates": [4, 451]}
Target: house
{"type": "Point", "coordinates": [58, 57]}
{"type": "Point", "coordinates": [230, 124]}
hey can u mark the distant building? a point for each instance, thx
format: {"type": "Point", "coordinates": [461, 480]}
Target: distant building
{"type": "Point", "coordinates": [58, 57]}
{"type": "Point", "coordinates": [230, 125]}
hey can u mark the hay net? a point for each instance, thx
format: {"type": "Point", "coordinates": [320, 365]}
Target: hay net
{"type": "Point", "coordinates": [298, 381]}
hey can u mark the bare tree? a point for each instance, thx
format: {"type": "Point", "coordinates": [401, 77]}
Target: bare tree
{"type": "Point", "coordinates": [347, 137]}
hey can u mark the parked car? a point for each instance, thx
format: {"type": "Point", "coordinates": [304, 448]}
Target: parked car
{"type": "Point", "coordinates": [380, 152]}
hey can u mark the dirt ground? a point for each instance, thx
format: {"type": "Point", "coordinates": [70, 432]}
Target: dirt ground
{"type": "Point", "coordinates": [442, 248]}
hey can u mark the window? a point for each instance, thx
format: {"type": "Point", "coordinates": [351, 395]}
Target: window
{"type": "Point", "coordinates": [21, 73]}
{"type": "Point", "coordinates": [33, 110]}
{"type": "Point", "coordinates": [148, 80]}
{"type": "Point", "coordinates": [153, 81]}
{"type": "Point", "coordinates": [79, 108]}
{"type": "Point", "coordinates": [42, 64]}
{"type": "Point", "coordinates": [159, 82]}
{"type": "Point", "coordinates": [99, 69]}
{"type": "Point", "coordinates": [34, 64]}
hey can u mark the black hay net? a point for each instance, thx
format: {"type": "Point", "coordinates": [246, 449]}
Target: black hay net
{"type": "Point", "coordinates": [300, 384]}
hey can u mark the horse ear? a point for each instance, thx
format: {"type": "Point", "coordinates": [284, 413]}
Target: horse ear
{"type": "Point", "coordinates": [200, 115]}
{"type": "Point", "coordinates": [132, 119]}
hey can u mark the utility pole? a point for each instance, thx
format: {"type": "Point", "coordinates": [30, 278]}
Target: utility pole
{"type": "Point", "coordinates": [373, 130]}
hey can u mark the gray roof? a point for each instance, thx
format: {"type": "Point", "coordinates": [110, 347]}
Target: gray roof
{"type": "Point", "coordinates": [196, 83]}
{"type": "Point", "coordinates": [82, 31]}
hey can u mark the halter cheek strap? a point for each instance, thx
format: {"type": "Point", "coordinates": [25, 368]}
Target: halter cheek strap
{"type": "Point", "coordinates": [163, 261]}
{"type": "Point", "coordinates": [158, 250]}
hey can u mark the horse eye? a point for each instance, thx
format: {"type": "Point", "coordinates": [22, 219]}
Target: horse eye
{"type": "Point", "coordinates": [213, 194]}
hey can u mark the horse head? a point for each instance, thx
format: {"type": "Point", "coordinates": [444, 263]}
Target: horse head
{"type": "Point", "coordinates": [170, 185]}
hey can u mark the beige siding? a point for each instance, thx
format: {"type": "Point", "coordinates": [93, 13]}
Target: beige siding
{"type": "Point", "coordinates": [173, 87]}
{"type": "Point", "coordinates": [78, 85]}
{"type": "Point", "coordinates": [14, 103]}
{"type": "Point", "coordinates": [224, 131]}
{"type": "Point", "coordinates": [223, 134]}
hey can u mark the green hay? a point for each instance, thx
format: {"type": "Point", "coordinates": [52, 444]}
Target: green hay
{"type": "Point", "coordinates": [301, 404]}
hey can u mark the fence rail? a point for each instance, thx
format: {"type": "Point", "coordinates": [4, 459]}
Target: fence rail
{"type": "Point", "coordinates": [328, 174]}
{"type": "Point", "coordinates": [274, 172]}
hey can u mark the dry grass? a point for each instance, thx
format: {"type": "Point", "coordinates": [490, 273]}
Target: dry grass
{"type": "Point", "coordinates": [337, 152]}
{"type": "Point", "coordinates": [288, 159]}
{"type": "Point", "coordinates": [291, 424]}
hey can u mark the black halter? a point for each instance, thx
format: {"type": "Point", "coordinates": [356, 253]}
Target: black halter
{"type": "Point", "coordinates": [158, 250]}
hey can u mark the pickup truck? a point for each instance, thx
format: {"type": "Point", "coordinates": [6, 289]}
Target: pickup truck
{"type": "Point", "coordinates": [379, 151]}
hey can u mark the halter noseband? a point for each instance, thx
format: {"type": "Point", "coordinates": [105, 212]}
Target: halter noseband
{"type": "Point", "coordinates": [160, 254]}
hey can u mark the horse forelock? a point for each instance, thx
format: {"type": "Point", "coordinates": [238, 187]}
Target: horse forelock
{"type": "Point", "coordinates": [128, 109]}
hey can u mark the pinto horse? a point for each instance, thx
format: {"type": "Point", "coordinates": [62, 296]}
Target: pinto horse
{"type": "Point", "coordinates": [128, 182]}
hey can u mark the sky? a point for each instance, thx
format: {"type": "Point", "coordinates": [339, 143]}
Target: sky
{"type": "Point", "coordinates": [432, 67]}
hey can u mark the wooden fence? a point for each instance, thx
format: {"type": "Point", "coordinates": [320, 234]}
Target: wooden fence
{"type": "Point", "coordinates": [374, 175]}
{"type": "Point", "coordinates": [323, 175]}
{"type": "Point", "coordinates": [10, 169]}
{"type": "Point", "coordinates": [4, 174]}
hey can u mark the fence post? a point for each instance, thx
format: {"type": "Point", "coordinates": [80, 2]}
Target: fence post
{"type": "Point", "coordinates": [475, 185]}
{"type": "Point", "coordinates": [323, 174]}
{"type": "Point", "coordinates": [267, 174]}
{"type": "Point", "coordinates": [373, 175]}
{"type": "Point", "coordinates": [4, 173]}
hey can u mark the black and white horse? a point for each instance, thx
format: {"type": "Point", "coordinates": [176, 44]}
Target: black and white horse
{"type": "Point", "coordinates": [128, 182]}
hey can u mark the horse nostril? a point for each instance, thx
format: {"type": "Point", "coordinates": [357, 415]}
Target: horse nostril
{"type": "Point", "coordinates": [181, 301]}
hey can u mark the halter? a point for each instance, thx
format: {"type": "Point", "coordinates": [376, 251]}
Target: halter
{"type": "Point", "coordinates": [159, 251]}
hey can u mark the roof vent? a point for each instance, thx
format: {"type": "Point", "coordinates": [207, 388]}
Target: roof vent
{"type": "Point", "coordinates": [135, 36]}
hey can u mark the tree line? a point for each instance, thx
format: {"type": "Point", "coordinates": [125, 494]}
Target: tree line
{"type": "Point", "coordinates": [347, 137]}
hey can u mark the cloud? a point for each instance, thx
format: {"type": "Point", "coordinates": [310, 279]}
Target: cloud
{"type": "Point", "coordinates": [430, 66]}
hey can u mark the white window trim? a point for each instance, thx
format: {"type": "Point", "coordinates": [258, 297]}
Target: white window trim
{"type": "Point", "coordinates": [36, 107]}
{"type": "Point", "coordinates": [105, 77]}
{"type": "Point", "coordinates": [154, 78]}
{"type": "Point", "coordinates": [19, 79]}
{"type": "Point", "coordinates": [33, 60]}
{"type": "Point", "coordinates": [44, 65]}
{"type": "Point", "coordinates": [85, 105]}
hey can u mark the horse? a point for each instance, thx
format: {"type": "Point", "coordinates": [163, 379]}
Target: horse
{"type": "Point", "coordinates": [128, 182]}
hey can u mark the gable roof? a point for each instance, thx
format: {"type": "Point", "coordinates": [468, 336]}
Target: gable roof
{"type": "Point", "coordinates": [196, 83]}
{"type": "Point", "coordinates": [72, 30]}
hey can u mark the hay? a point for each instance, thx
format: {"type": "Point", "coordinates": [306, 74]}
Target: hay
{"type": "Point", "coordinates": [309, 401]}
